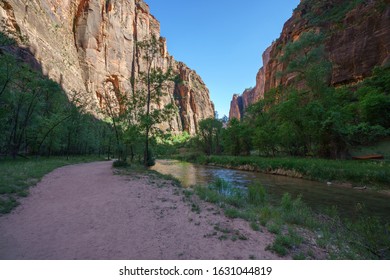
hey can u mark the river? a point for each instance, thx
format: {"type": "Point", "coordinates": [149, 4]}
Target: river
{"type": "Point", "coordinates": [317, 195]}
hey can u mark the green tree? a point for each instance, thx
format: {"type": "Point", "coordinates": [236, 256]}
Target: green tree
{"type": "Point", "coordinates": [210, 135]}
{"type": "Point", "coordinates": [259, 120]}
{"type": "Point", "coordinates": [306, 59]}
{"type": "Point", "coordinates": [112, 107]}
{"type": "Point", "coordinates": [154, 85]}
{"type": "Point", "coordinates": [38, 118]}
{"type": "Point", "coordinates": [237, 138]}
{"type": "Point", "coordinates": [375, 108]}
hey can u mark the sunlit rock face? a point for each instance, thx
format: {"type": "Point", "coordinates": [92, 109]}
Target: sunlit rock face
{"type": "Point", "coordinates": [236, 107]}
{"type": "Point", "coordinates": [90, 47]}
{"type": "Point", "coordinates": [354, 45]}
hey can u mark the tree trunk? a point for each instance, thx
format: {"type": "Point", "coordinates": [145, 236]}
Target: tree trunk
{"type": "Point", "coordinates": [68, 146]}
{"type": "Point", "coordinates": [132, 153]}
{"type": "Point", "coordinates": [109, 149]}
{"type": "Point", "coordinates": [146, 152]}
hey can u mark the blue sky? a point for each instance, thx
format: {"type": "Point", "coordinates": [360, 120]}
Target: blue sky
{"type": "Point", "coordinates": [222, 40]}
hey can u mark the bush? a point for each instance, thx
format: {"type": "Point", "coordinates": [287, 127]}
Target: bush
{"type": "Point", "coordinates": [232, 213]}
{"type": "Point", "coordinates": [372, 235]}
{"type": "Point", "coordinates": [294, 211]}
{"type": "Point", "coordinates": [7, 204]}
{"type": "Point", "coordinates": [236, 198]}
{"type": "Point", "coordinates": [283, 243]}
{"type": "Point", "coordinates": [266, 214]}
{"type": "Point", "coordinates": [207, 194]}
{"type": "Point", "coordinates": [120, 163]}
{"type": "Point", "coordinates": [287, 202]}
{"type": "Point", "coordinates": [364, 133]}
{"type": "Point", "coordinates": [256, 194]}
{"type": "Point", "coordinates": [221, 186]}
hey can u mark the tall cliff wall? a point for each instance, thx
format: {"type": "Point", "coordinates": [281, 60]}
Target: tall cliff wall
{"type": "Point", "coordinates": [90, 46]}
{"type": "Point", "coordinates": [357, 40]}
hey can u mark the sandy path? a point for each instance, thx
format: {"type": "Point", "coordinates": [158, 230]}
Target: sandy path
{"type": "Point", "coordinates": [86, 212]}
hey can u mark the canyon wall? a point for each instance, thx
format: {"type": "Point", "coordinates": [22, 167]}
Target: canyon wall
{"type": "Point", "coordinates": [357, 39]}
{"type": "Point", "coordinates": [90, 47]}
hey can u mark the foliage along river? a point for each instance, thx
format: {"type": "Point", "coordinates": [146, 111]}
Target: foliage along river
{"type": "Point", "coordinates": [317, 195]}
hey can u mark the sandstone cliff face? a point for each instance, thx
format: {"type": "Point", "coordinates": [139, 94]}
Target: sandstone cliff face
{"type": "Point", "coordinates": [236, 108]}
{"type": "Point", "coordinates": [355, 44]}
{"type": "Point", "coordinates": [90, 47]}
{"type": "Point", "coordinates": [364, 44]}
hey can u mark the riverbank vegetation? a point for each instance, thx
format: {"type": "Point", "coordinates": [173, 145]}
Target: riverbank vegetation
{"type": "Point", "coordinates": [373, 174]}
{"type": "Point", "coordinates": [300, 232]}
{"type": "Point", "coordinates": [308, 129]}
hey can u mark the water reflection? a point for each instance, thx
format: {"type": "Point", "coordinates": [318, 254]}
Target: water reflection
{"type": "Point", "coordinates": [317, 195]}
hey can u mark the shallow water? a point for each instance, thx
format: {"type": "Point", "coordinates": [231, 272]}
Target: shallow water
{"type": "Point", "coordinates": [317, 195]}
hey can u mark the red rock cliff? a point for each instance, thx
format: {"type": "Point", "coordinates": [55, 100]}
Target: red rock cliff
{"type": "Point", "coordinates": [89, 46]}
{"type": "Point", "coordinates": [355, 43]}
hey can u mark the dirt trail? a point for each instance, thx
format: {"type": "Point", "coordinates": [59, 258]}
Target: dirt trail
{"type": "Point", "coordinates": [86, 212]}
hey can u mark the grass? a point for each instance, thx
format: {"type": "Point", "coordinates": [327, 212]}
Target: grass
{"type": "Point", "coordinates": [208, 195]}
{"type": "Point", "coordinates": [227, 233]}
{"type": "Point", "coordinates": [296, 225]}
{"type": "Point", "coordinates": [296, 212]}
{"type": "Point", "coordinates": [299, 256]}
{"type": "Point", "coordinates": [382, 148]}
{"type": "Point", "coordinates": [195, 208]}
{"type": "Point", "coordinates": [16, 176]}
{"type": "Point", "coordinates": [137, 170]}
{"type": "Point", "coordinates": [274, 227]}
{"type": "Point", "coordinates": [361, 173]}
{"type": "Point", "coordinates": [233, 213]}
{"type": "Point", "coordinates": [256, 195]}
{"type": "Point", "coordinates": [285, 242]}
{"type": "Point", "coordinates": [255, 226]}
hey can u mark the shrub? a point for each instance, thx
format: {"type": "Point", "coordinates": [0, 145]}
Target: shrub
{"type": "Point", "coordinates": [256, 194]}
{"type": "Point", "coordinates": [255, 226]}
{"type": "Point", "coordinates": [120, 163]}
{"type": "Point", "coordinates": [7, 204]}
{"type": "Point", "coordinates": [294, 211]}
{"type": "Point", "coordinates": [274, 227]}
{"type": "Point", "coordinates": [221, 186]}
{"type": "Point", "coordinates": [207, 194]}
{"type": "Point", "coordinates": [286, 202]}
{"type": "Point", "coordinates": [232, 213]}
{"type": "Point", "coordinates": [372, 235]}
{"type": "Point", "coordinates": [236, 198]}
{"type": "Point", "coordinates": [265, 215]}
{"type": "Point", "coordinates": [283, 243]}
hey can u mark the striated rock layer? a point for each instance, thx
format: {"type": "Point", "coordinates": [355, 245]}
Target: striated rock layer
{"type": "Point", "coordinates": [354, 45]}
{"type": "Point", "coordinates": [90, 47]}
